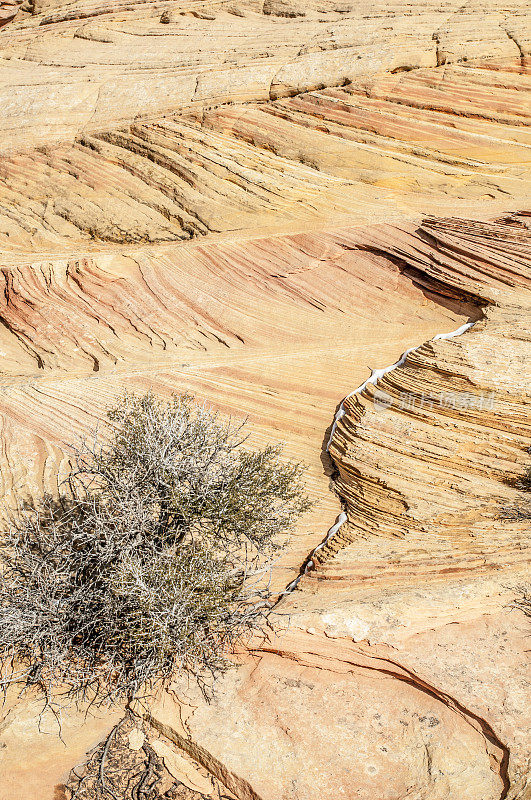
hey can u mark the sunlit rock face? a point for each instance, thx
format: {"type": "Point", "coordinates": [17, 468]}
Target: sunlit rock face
{"type": "Point", "coordinates": [262, 203]}
{"type": "Point", "coordinates": [456, 410]}
{"type": "Point", "coordinates": [404, 650]}
{"type": "Point", "coordinates": [448, 139]}
{"type": "Point", "coordinates": [85, 65]}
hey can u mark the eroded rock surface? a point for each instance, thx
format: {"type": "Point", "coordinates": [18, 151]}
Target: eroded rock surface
{"type": "Point", "coordinates": [299, 146]}
{"type": "Point", "coordinates": [81, 63]}
{"type": "Point", "coordinates": [251, 327]}
{"type": "Point", "coordinates": [387, 145]}
{"type": "Point", "coordinates": [403, 673]}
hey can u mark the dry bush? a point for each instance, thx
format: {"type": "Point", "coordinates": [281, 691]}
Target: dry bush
{"type": "Point", "coordinates": [155, 561]}
{"type": "Point", "coordinates": [520, 509]}
{"type": "Point", "coordinates": [523, 601]}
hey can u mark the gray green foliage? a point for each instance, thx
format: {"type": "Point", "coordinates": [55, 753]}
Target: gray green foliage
{"type": "Point", "coordinates": [520, 509]}
{"type": "Point", "coordinates": [523, 601]}
{"type": "Point", "coordinates": [156, 560]}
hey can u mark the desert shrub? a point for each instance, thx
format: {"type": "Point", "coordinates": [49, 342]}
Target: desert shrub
{"type": "Point", "coordinates": [155, 560]}
{"type": "Point", "coordinates": [523, 600]}
{"type": "Point", "coordinates": [520, 508]}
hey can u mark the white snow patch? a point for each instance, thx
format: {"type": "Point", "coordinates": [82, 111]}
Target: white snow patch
{"type": "Point", "coordinates": [362, 628]}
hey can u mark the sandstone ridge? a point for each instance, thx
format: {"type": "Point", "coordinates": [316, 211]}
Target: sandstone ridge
{"type": "Point", "coordinates": [414, 590]}
{"type": "Point", "coordinates": [231, 199]}
{"type": "Point", "coordinates": [67, 67]}
{"type": "Point", "coordinates": [391, 145]}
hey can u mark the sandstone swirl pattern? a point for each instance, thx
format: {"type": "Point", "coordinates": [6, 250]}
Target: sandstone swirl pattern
{"type": "Point", "coordinates": [233, 198]}
{"type": "Point", "coordinates": [71, 64]}
{"type": "Point", "coordinates": [402, 623]}
{"type": "Point", "coordinates": [390, 144]}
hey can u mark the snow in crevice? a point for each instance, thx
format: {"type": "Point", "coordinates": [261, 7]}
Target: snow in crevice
{"type": "Point", "coordinates": [376, 374]}
{"type": "Point", "coordinates": [379, 373]}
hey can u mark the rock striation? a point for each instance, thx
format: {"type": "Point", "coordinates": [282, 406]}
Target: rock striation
{"type": "Point", "coordinates": [80, 64]}
{"type": "Point", "coordinates": [478, 379]}
{"type": "Point", "coordinates": [209, 319]}
{"type": "Point", "coordinates": [401, 628]}
{"type": "Point", "coordinates": [231, 198]}
{"type": "Point", "coordinates": [390, 144]}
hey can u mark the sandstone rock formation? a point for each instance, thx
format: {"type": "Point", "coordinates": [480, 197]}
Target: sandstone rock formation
{"type": "Point", "coordinates": [83, 64]}
{"type": "Point", "coordinates": [8, 11]}
{"type": "Point", "coordinates": [211, 319]}
{"type": "Point", "coordinates": [401, 629]}
{"type": "Point", "coordinates": [232, 199]}
{"type": "Point", "coordinates": [393, 144]}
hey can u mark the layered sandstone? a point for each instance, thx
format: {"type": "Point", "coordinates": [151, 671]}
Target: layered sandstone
{"type": "Point", "coordinates": [73, 65]}
{"type": "Point", "coordinates": [402, 627]}
{"type": "Point", "coordinates": [391, 145]}
{"type": "Point", "coordinates": [424, 566]}
{"type": "Point", "coordinates": [230, 199]}
{"type": "Point", "coordinates": [250, 327]}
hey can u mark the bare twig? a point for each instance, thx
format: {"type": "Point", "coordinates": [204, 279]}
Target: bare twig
{"type": "Point", "coordinates": [157, 561]}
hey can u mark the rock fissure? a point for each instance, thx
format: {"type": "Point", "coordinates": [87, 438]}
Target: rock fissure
{"type": "Point", "coordinates": [411, 678]}
{"type": "Point", "coordinates": [239, 787]}
{"type": "Point", "coordinates": [309, 563]}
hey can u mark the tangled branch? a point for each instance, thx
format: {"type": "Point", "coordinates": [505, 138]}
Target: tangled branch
{"type": "Point", "coordinates": [155, 560]}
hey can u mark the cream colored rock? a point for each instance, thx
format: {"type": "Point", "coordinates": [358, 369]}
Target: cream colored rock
{"type": "Point", "coordinates": [331, 157]}
{"type": "Point", "coordinates": [8, 11]}
{"type": "Point", "coordinates": [299, 154]}
{"type": "Point", "coordinates": [136, 738]}
{"type": "Point", "coordinates": [181, 768]}
{"type": "Point", "coordinates": [60, 76]}
{"type": "Point", "coordinates": [334, 719]}
{"type": "Point", "coordinates": [36, 757]}
{"type": "Point", "coordinates": [403, 673]}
